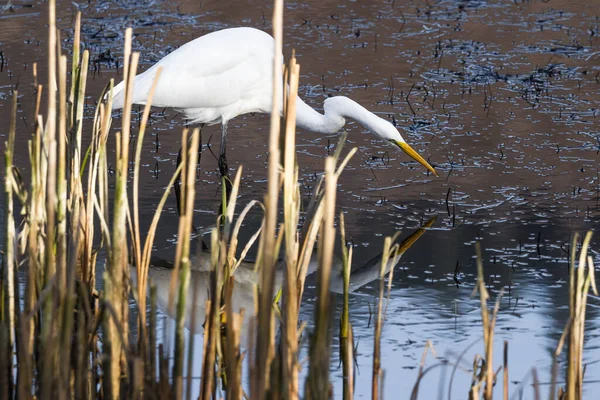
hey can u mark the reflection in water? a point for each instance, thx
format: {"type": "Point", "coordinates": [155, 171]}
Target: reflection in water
{"type": "Point", "coordinates": [531, 318]}
{"type": "Point", "coordinates": [246, 279]}
{"type": "Point", "coordinates": [371, 270]}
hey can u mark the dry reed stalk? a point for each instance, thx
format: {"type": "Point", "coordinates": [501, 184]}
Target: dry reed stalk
{"type": "Point", "coordinates": [579, 286]}
{"type": "Point", "coordinates": [212, 327]}
{"type": "Point", "coordinates": [117, 276]}
{"type": "Point", "coordinates": [191, 342]}
{"type": "Point", "coordinates": [35, 243]}
{"type": "Point", "coordinates": [76, 324]}
{"type": "Point", "coordinates": [346, 341]}
{"type": "Point", "coordinates": [396, 252]}
{"type": "Point", "coordinates": [61, 178]}
{"type": "Point", "coordinates": [49, 328]}
{"type": "Point", "coordinates": [488, 325]}
{"type": "Point", "coordinates": [428, 347]}
{"type": "Point", "coordinates": [139, 260]}
{"type": "Point", "coordinates": [317, 382]}
{"type": "Point", "coordinates": [291, 213]}
{"type": "Point", "coordinates": [39, 92]}
{"type": "Point", "coordinates": [228, 346]}
{"type": "Point", "coordinates": [9, 263]}
{"type": "Point", "coordinates": [97, 188]}
{"type": "Point", "coordinates": [567, 333]}
{"type": "Point", "coordinates": [224, 264]}
{"type": "Point", "coordinates": [70, 207]}
{"type": "Point", "coordinates": [265, 340]}
{"type": "Point", "coordinates": [136, 389]}
{"type": "Point", "coordinates": [35, 254]}
{"type": "Point", "coordinates": [50, 142]}
{"type": "Point", "coordinates": [175, 275]}
{"type": "Point", "coordinates": [234, 355]}
{"type": "Point", "coordinates": [75, 69]}
{"type": "Point", "coordinates": [486, 372]}
{"type": "Point", "coordinates": [182, 257]}
{"type": "Point", "coordinates": [378, 321]}
{"type": "Point", "coordinates": [310, 238]}
{"type": "Point", "coordinates": [227, 228]}
{"type": "Point", "coordinates": [346, 270]}
{"type": "Point", "coordinates": [30, 334]}
{"type": "Point", "coordinates": [223, 267]}
{"type": "Point", "coordinates": [348, 393]}
{"type": "Point", "coordinates": [64, 297]}
{"type": "Point", "coordinates": [234, 238]}
{"type": "Point", "coordinates": [148, 331]}
{"type": "Point", "coordinates": [76, 100]}
{"type": "Point", "coordinates": [80, 233]}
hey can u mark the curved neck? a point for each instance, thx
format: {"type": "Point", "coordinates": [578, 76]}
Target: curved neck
{"type": "Point", "coordinates": [336, 110]}
{"type": "Point", "coordinates": [309, 119]}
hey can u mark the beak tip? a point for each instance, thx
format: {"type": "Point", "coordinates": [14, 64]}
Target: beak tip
{"type": "Point", "coordinates": [412, 153]}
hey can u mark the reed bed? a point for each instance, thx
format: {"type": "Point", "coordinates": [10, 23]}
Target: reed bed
{"type": "Point", "coordinates": [61, 337]}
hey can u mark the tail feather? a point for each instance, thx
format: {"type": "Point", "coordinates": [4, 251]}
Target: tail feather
{"type": "Point", "coordinates": [141, 86]}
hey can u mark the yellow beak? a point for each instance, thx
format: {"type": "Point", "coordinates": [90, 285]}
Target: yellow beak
{"type": "Point", "coordinates": [409, 241]}
{"type": "Point", "coordinates": [405, 147]}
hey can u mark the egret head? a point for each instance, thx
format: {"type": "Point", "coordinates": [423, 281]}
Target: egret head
{"type": "Point", "coordinates": [339, 107]}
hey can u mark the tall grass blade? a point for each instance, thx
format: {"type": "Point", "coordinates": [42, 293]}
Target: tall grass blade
{"type": "Point", "coordinates": [9, 263]}
{"type": "Point", "coordinates": [317, 382]}
{"type": "Point", "coordinates": [117, 276]}
{"type": "Point", "coordinates": [264, 340]}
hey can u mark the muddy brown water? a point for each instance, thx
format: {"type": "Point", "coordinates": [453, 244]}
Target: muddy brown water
{"type": "Point", "coordinates": [502, 97]}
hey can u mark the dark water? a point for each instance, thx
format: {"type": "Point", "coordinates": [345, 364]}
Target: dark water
{"type": "Point", "coordinates": [502, 97]}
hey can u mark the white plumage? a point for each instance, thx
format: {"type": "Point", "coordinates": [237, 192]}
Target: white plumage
{"type": "Point", "coordinates": [227, 73]}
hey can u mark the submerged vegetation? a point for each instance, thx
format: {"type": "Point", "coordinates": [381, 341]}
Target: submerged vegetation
{"type": "Point", "coordinates": [62, 337]}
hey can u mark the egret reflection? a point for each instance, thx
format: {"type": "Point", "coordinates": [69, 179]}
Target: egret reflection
{"type": "Point", "coordinates": [246, 279]}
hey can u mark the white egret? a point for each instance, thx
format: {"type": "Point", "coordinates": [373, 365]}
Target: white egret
{"type": "Point", "coordinates": [227, 73]}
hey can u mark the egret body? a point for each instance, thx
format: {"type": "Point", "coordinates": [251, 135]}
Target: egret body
{"type": "Point", "coordinates": [227, 73]}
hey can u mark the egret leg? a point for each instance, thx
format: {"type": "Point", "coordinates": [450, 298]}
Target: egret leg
{"type": "Point", "coordinates": [223, 168]}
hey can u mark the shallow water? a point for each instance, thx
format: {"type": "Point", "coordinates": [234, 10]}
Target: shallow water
{"type": "Point", "coordinates": [502, 97]}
